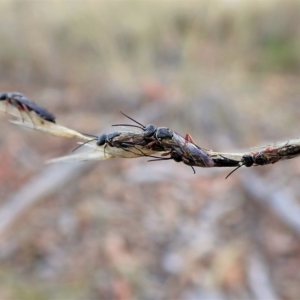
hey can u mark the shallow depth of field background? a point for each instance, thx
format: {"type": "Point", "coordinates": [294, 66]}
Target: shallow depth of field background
{"type": "Point", "coordinates": [227, 72]}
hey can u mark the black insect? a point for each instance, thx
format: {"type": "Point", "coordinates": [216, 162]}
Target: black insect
{"type": "Point", "coordinates": [249, 160]}
{"type": "Point", "coordinates": [161, 139]}
{"type": "Point", "coordinates": [127, 141]}
{"type": "Point", "coordinates": [179, 148]}
{"type": "Point", "coordinates": [23, 104]}
{"type": "Point", "coordinates": [193, 155]}
{"type": "Point", "coordinates": [184, 150]}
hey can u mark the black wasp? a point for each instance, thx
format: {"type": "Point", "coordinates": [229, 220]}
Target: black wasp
{"type": "Point", "coordinates": [148, 138]}
{"type": "Point", "coordinates": [25, 105]}
{"type": "Point", "coordinates": [184, 150]}
{"type": "Point", "coordinates": [179, 148]}
{"type": "Point", "coordinates": [123, 140]}
{"type": "Point", "coordinates": [249, 160]}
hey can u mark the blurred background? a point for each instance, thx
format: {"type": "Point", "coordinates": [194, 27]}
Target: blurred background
{"type": "Point", "coordinates": [227, 72]}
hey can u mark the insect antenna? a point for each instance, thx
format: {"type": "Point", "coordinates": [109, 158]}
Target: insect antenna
{"type": "Point", "coordinates": [156, 157]}
{"type": "Point", "coordinates": [159, 158]}
{"type": "Point", "coordinates": [143, 126]}
{"type": "Point", "coordinates": [129, 125]}
{"type": "Point", "coordinates": [233, 171]}
{"type": "Point", "coordinates": [87, 134]}
{"type": "Point", "coordinates": [84, 144]}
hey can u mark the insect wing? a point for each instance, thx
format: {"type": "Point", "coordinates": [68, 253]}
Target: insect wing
{"type": "Point", "coordinates": [13, 110]}
{"type": "Point", "coordinates": [85, 156]}
{"type": "Point", "coordinates": [195, 155]}
{"type": "Point", "coordinates": [51, 128]}
{"type": "Point", "coordinates": [286, 150]}
{"type": "Point", "coordinates": [199, 156]}
{"type": "Point", "coordinates": [129, 139]}
{"type": "Point", "coordinates": [133, 145]}
{"type": "Point", "coordinates": [42, 112]}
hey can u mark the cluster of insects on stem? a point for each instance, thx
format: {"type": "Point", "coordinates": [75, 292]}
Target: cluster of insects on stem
{"type": "Point", "coordinates": [160, 139]}
{"type": "Point", "coordinates": [150, 141]}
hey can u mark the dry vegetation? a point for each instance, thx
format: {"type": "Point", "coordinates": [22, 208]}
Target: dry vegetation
{"type": "Point", "coordinates": [225, 71]}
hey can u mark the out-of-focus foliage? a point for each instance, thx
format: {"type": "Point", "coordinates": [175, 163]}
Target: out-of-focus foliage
{"type": "Point", "coordinates": [64, 41]}
{"type": "Point", "coordinates": [225, 71]}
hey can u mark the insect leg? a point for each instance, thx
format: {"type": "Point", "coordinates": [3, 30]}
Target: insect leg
{"type": "Point", "coordinates": [189, 138]}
